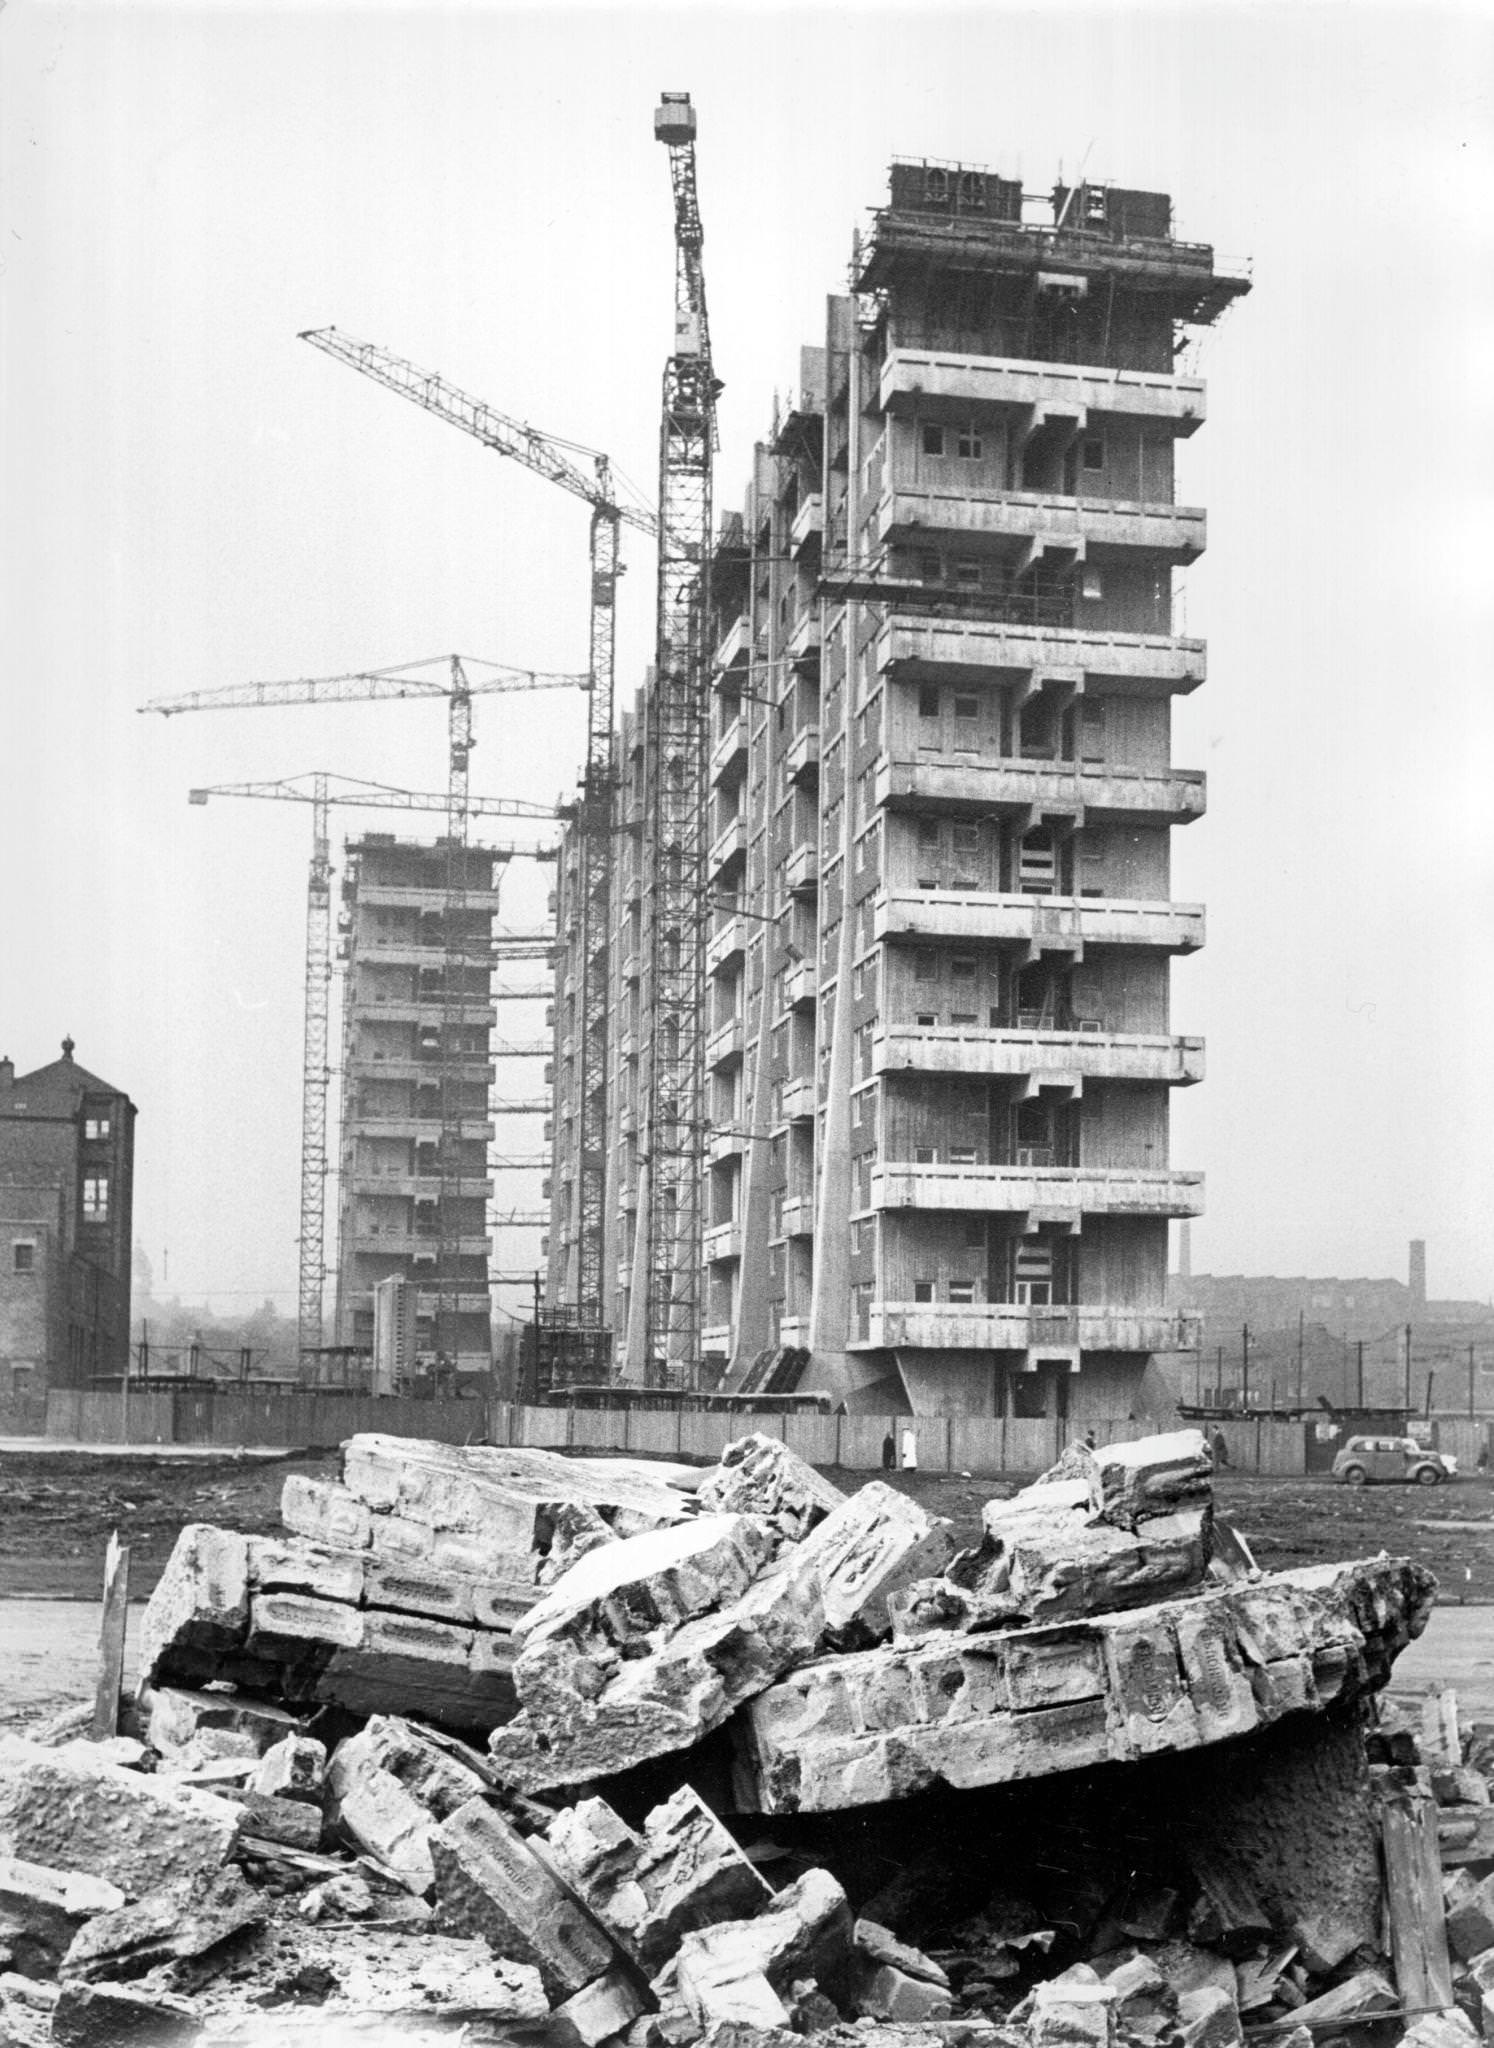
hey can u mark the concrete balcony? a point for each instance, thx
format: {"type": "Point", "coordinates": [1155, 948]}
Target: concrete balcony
{"type": "Point", "coordinates": [387, 896]}
{"type": "Point", "coordinates": [427, 1127]}
{"type": "Point", "coordinates": [797, 1103]}
{"type": "Point", "coordinates": [728, 849]}
{"type": "Point", "coordinates": [723, 1241]}
{"type": "Point", "coordinates": [465, 1303]}
{"type": "Point", "coordinates": [369, 1065]}
{"type": "Point", "coordinates": [735, 645]}
{"type": "Point", "coordinates": [1059, 1194]}
{"type": "Point", "coordinates": [412, 1244]}
{"type": "Point", "coordinates": [937, 383]}
{"type": "Point", "coordinates": [801, 986]}
{"type": "Point", "coordinates": [914, 649]}
{"type": "Point", "coordinates": [802, 871]}
{"type": "Point", "coordinates": [809, 524]}
{"type": "Point", "coordinates": [1042, 1332]}
{"type": "Point", "coordinates": [724, 1145]}
{"type": "Point", "coordinates": [1036, 520]}
{"type": "Point", "coordinates": [798, 1216]}
{"type": "Point", "coordinates": [729, 754]}
{"type": "Point", "coordinates": [1052, 923]}
{"type": "Point", "coordinates": [1087, 792]}
{"type": "Point", "coordinates": [1054, 1057]}
{"type": "Point", "coordinates": [724, 1046]}
{"type": "Point", "coordinates": [422, 1186]}
{"type": "Point", "coordinates": [802, 761]}
{"type": "Point", "coordinates": [421, 1010]}
{"type": "Point", "coordinates": [726, 945]}
{"type": "Point", "coordinates": [804, 640]}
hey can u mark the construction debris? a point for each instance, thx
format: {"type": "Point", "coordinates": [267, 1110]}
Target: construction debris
{"type": "Point", "coordinates": [1092, 1783]}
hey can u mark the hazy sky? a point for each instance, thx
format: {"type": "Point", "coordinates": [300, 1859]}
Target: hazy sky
{"type": "Point", "coordinates": [193, 498]}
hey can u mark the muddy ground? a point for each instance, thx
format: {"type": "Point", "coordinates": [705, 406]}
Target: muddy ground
{"type": "Point", "coordinates": [56, 1512]}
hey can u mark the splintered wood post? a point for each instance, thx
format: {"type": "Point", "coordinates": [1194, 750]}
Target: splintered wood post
{"type": "Point", "coordinates": [1413, 1892]}
{"type": "Point", "coordinates": [1440, 1734]}
{"type": "Point", "coordinates": [112, 1639]}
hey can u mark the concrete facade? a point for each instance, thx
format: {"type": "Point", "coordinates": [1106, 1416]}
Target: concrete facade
{"type": "Point", "coordinates": [403, 1030]}
{"type": "Point", "coordinates": [939, 1045]}
{"type": "Point", "coordinates": [67, 1159]}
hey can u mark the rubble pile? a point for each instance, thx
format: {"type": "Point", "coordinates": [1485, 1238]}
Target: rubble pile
{"type": "Point", "coordinates": [498, 1745]}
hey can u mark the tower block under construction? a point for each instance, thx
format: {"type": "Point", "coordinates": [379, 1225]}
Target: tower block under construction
{"type": "Point", "coordinates": [938, 1037]}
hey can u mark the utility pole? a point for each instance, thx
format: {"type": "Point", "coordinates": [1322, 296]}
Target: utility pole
{"type": "Point", "coordinates": [1407, 1399]}
{"type": "Point", "coordinates": [1300, 1332]}
{"type": "Point", "coordinates": [1245, 1366]}
{"type": "Point", "coordinates": [1470, 1383]}
{"type": "Point", "coordinates": [1359, 1352]}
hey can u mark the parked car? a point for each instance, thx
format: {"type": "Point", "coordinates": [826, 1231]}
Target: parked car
{"type": "Point", "coordinates": [1364, 1458]}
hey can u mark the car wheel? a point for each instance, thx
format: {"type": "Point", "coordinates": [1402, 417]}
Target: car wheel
{"type": "Point", "coordinates": [1354, 1475]}
{"type": "Point", "coordinates": [1427, 1475]}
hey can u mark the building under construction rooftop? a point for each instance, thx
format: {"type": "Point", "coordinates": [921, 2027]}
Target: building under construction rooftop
{"type": "Point", "coordinates": [937, 1039]}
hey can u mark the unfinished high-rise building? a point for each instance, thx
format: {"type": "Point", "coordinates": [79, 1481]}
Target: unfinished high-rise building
{"type": "Point", "coordinates": [418, 1014]}
{"type": "Point", "coordinates": [938, 1034]}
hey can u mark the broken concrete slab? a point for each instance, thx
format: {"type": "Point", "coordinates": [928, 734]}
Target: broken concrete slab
{"type": "Point", "coordinates": [992, 1709]}
{"type": "Point", "coordinates": [185, 1919]}
{"type": "Point", "coordinates": [200, 1602]}
{"type": "Point", "coordinates": [1469, 1910]}
{"type": "Point", "coordinates": [602, 2009]}
{"type": "Point", "coordinates": [597, 1711]}
{"type": "Point", "coordinates": [647, 1890]}
{"type": "Point", "coordinates": [42, 1909]}
{"type": "Point", "coordinates": [1359, 1997]}
{"type": "Point", "coordinates": [290, 1822]}
{"type": "Point", "coordinates": [1209, 2018]}
{"type": "Point", "coordinates": [502, 1495]}
{"type": "Point", "coordinates": [389, 1786]}
{"type": "Point", "coordinates": [760, 1475]}
{"type": "Point", "coordinates": [60, 1808]}
{"type": "Point", "coordinates": [26, 2008]}
{"type": "Point", "coordinates": [875, 1543]}
{"type": "Point", "coordinates": [490, 1883]}
{"type": "Point", "coordinates": [720, 1972]}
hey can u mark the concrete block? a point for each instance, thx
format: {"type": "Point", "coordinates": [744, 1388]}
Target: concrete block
{"type": "Point", "coordinates": [187, 1728]}
{"type": "Point", "coordinates": [26, 2007]}
{"type": "Point", "coordinates": [1450, 2028]}
{"type": "Point", "coordinates": [760, 1475]}
{"type": "Point", "coordinates": [293, 1768]}
{"type": "Point", "coordinates": [1458, 1785]}
{"type": "Point", "coordinates": [136, 1832]}
{"type": "Point", "coordinates": [282, 1625]}
{"type": "Point", "coordinates": [182, 1920]}
{"type": "Point", "coordinates": [647, 1890]}
{"type": "Point", "coordinates": [1071, 2011]}
{"type": "Point", "coordinates": [395, 1539]}
{"type": "Point", "coordinates": [594, 1706]}
{"type": "Point", "coordinates": [1469, 1905]}
{"type": "Point", "coordinates": [42, 1909]}
{"type": "Point", "coordinates": [601, 2009]}
{"type": "Point", "coordinates": [200, 1603]}
{"type": "Point", "coordinates": [110, 2016]}
{"type": "Point", "coordinates": [881, 1991]}
{"type": "Point", "coordinates": [389, 1786]}
{"type": "Point", "coordinates": [1209, 2018]}
{"type": "Point", "coordinates": [1359, 1997]}
{"type": "Point", "coordinates": [411, 1589]}
{"type": "Point", "coordinates": [290, 1822]}
{"type": "Point", "coordinates": [719, 1971]}
{"type": "Point", "coordinates": [324, 1512]}
{"type": "Point", "coordinates": [489, 1883]}
{"type": "Point", "coordinates": [288, 1564]}
{"type": "Point", "coordinates": [873, 1544]}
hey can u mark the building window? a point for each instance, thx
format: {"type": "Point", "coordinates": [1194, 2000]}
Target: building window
{"type": "Point", "coordinates": [962, 1155]}
{"type": "Point", "coordinates": [968, 444]}
{"type": "Point", "coordinates": [933, 440]}
{"type": "Point", "coordinates": [1094, 452]}
{"type": "Point", "coordinates": [923, 1290]}
{"type": "Point", "coordinates": [928, 703]}
{"type": "Point", "coordinates": [928, 834]}
{"type": "Point", "coordinates": [924, 1155]}
{"type": "Point", "coordinates": [925, 966]}
{"type": "Point", "coordinates": [967, 575]}
{"type": "Point", "coordinates": [967, 707]}
{"type": "Point", "coordinates": [1093, 583]}
{"type": "Point", "coordinates": [23, 1256]}
{"type": "Point", "coordinates": [95, 1127]}
{"type": "Point", "coordinates": [927, 1020]}
{"type": "Point", "coordinates": [96, 1198]}
{"type": "Point", "coordinates": [963, 1019]}
{"type": "Point", "coordinates": [962, 966]}
{"type": "Point", "coordinates": [930, 568]}
{"type": "Point", "coordinates": [962, 1290]}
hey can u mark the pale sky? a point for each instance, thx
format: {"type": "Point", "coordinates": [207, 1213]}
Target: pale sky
{"type": "Point", "coordinates": [193, 498]}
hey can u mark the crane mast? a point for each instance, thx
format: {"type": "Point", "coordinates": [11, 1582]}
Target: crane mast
{"type": "Point", "coordinates": [665, 1303]}
{"type": "Point", "coordinates": [549, 456]}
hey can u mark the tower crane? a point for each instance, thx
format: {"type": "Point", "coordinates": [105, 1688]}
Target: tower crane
{"type": "Point", "coordinates": [322, 791]}
{"type": "Point", "coordinates": [664, 1306]}
{"type": "Point", "coordinates": [561, 462]}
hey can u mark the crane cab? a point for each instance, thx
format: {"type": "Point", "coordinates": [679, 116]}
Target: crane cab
{"type": "Point", "coordinates": [674, 120]}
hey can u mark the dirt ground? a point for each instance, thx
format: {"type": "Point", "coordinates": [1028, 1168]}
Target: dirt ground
{"type": "Point", "coordinates": [56, 1512]}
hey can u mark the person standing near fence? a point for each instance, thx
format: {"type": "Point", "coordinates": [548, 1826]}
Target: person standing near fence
{"type": "Point", "coordinates": [889, 1452]}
